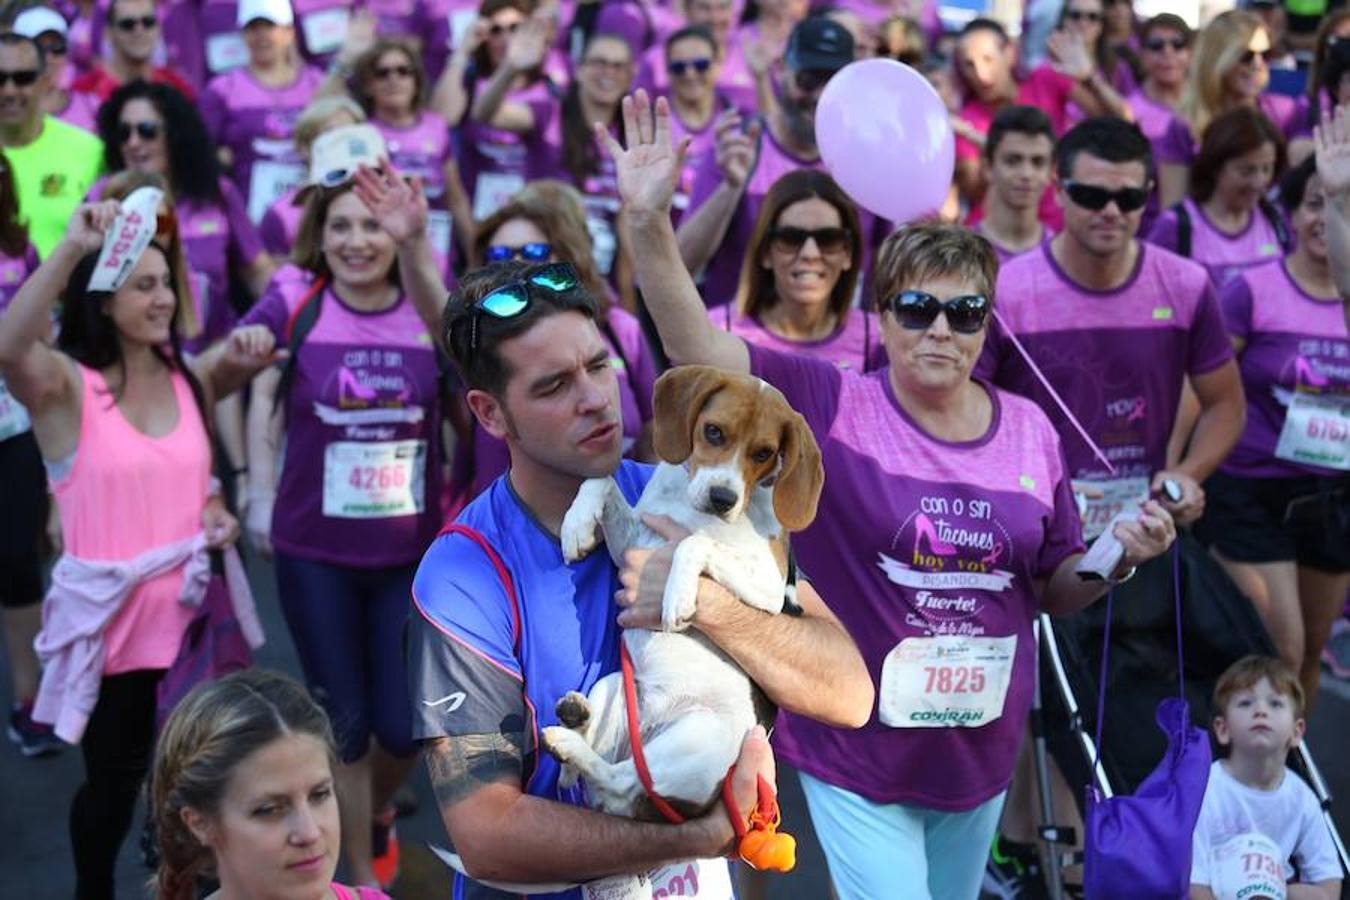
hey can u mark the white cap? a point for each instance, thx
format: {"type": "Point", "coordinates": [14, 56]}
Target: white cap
{"type": "Point", "coordinates": [337, 154]}
{"type": "Point", "coordinates": [278, 12]}
{"type": "Point", "coordinates": [39, 20]}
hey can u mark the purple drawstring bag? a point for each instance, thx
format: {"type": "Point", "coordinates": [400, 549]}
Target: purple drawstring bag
{"type": "Point", "coordinates": [1139, 847]}
{"type": "Point", "coordinates": [213, 646]}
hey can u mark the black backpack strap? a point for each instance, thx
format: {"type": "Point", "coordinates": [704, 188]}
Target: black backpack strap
{"type": "Point", "coordinates": [301, 323]}
{"type": "Point", "coordinates": [1183, 229]}
{"type": "Point", "coordinates": [1277, 222]}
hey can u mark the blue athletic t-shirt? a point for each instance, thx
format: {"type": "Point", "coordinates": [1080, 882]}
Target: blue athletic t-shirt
{"type": "Point", "coordinates": [480, 665]}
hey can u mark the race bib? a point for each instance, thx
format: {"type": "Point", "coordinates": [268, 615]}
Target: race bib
{"type": "Point", "coordinates": [1248, 867]}
{"type": "Point", "coordinates": [492, 191]}
{"type": "Point", "coordinates": [225, 52]}
{"type": "Point", "coordinates": [439, 231]}
{"type": "Point", "coordinates": [708, 879]}
{"type": "Point", "coordinates": [374, 480]}
{"type": "Point", "coordinates": [1316, 431]}
{"type": "Point", "coordinates": [1117, 494]}
{"type": "Point", "coordinates": [325, 30]}
{"type": "Point", "coordinates": [603, 243]}
{"type": "Point", "coordinates": [268, 182]}
{"type": "Point", "coordinates": [949, 681]}
{"type": "Point", "coordinates": [13, 417]}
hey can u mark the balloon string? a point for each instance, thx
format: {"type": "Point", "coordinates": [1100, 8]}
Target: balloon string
{"type": "Point", "coordinates": [1036, 370]}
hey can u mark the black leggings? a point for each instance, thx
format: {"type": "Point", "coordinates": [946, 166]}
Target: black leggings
{"type": "Point", "coordinates": [117, 746]}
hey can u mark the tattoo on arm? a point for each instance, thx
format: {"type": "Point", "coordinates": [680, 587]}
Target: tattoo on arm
{"type": "Point", "coordinates": [462, 764]}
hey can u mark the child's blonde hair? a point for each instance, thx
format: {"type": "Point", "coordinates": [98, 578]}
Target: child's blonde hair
{"type": "Point", "coordinates": [1247, 672]}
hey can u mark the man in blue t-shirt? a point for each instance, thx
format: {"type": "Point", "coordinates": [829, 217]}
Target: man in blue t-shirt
{"type": "Point", "coordinates": [502, 626]}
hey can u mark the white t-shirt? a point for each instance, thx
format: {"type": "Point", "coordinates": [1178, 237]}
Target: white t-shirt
{"type": "Point", "coordinates": [1247, 837]}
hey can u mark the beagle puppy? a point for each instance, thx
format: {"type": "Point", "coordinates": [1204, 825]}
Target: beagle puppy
{"type": "Point", "coordinates": [740, 469]}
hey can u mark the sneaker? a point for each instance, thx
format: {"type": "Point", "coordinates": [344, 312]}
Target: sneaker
{"type": "Point", "coordinates": [1013, 872]}
{"type": "Point", "coordinates": [1336, 654]}
{"type": "Point", "coordinates": [32, 738]}
{"type": "Point", "coordinates": [384, 848]}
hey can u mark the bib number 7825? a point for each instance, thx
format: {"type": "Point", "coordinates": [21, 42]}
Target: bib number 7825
{"type": "Point", "coordinates": [954, 679]}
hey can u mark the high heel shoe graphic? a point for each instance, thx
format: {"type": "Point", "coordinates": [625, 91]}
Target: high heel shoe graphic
{"type": "Point", "coordinates": [350, 389]}
{"type": "Point", "coordinates": [1304, 373]}
{"type": "Point", "coordinates": [923, 529]}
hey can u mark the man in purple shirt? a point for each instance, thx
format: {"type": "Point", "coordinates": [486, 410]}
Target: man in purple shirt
{"type": "Point", "coordinates": [733, 181]}
{"type": "Point", "coordinates": [1017, 155]}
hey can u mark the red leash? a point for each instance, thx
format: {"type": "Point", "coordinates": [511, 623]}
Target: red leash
{"type": "Point", "coordinates": [635, 739]}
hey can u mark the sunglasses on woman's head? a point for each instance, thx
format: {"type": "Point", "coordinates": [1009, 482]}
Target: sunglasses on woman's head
{"type": "Point", "coordinates": [1090, 196]}
{"type": "Point", "coordinates": [146, 131]}
{"type": "Point", "coordinates": [679, 67]}
{"type": "Point", "coordinates": [534, 251]}
{"type": "Point", "coordinates": [829, 241]}
{"type": "Point", "coordinates": [918, 310]}
{"type": "Point", "coordinates": [129, 24]}
{"type": "Point", "coordinates": [1159, 44]}
{"type": "Point", "coordinates": [1082, 15]}
{"type": "Point", "coordinates": [513, 298]}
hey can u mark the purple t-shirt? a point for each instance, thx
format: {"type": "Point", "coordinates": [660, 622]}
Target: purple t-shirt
{"type": "Point", "coordinates": [422, 149]}
{"type": "Point", "coordinates": [1292, 343]}
{"type": "Point", "coordinates": [1092, 346]}
{"type": "Point", "coordinates": [926, 550]}
{"type": "Point", "coordinates": [437, 22]}
{"type": "Point", "coordinates": [496, 163]}
{"type": "Point", "coordinates": [702, 147]}
{"type": "Point", "coordinates": [873, 13]}
{"type": "Point", "coordinates": [257, 123]}
{"type": "Point", "coordinates": [1153, 120]}
{"type": "Point", "coordinates": [81, 111]}
{"type": "Point", "coordinates": [1178, 146]}
{"type": "Point", "coordinates": [1005, 254]}
{"type": "Point", "coordinates": [360, 478]}
{"type": "Point", "coordinates": [1224, 255]}
{"type": "Point", "coordinates": [855, 344]}
{"type": "Point", "coordinates": [217, 239]}
{"type": "Point", "coordinates": [14, 271]}
{"type": "Point", "coordinates": [280, 224]}
{"type": "Point", "coordinates": [636, 370]}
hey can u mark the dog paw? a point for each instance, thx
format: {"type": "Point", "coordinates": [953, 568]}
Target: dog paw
{"type": "Point", "coordinates": [568, 777]}
{"type": "Point", "coordinates": [580, 532]}
{"type": "Point", "coordinates": [560, 742]}
{"type": "Point", "coordinates": [573, 710]}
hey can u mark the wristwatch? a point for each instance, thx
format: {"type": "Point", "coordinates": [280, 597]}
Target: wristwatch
{"type": "Point", "coordinates": [1123, 577]}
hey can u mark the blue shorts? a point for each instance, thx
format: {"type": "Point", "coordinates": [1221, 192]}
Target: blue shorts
{"type": "Point", "coordinates": [347, 625]}
{"type": "Point", "coordinates": [892, 850]}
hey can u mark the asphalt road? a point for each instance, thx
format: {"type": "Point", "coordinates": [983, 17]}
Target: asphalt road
{"type": "Point", "coordinates": [35, 796]}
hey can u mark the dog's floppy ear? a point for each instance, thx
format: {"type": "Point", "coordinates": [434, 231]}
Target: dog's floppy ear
{"type": "Point", "coordinates": [796, 492]}
{"type": "Point", "coordinates": [680, 395]}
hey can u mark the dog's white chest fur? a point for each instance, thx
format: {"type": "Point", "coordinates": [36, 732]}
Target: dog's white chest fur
{"type": "Point", "coordinates": [695, 704]}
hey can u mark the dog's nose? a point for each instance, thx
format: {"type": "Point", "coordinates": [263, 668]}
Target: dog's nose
{"type": "Point", "coordinates": [721, 499]}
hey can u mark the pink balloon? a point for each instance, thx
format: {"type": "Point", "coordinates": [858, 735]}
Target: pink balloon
{"type": "Point", "coordinates": [884, 135]}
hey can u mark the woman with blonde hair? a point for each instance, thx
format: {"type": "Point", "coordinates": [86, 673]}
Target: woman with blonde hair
{"type": "Point", "coordinates": [1229, 68]}
{"type": "Point", "coordinates": [243, 790]}
{"type": "Point", "coordinates": [546, 222]}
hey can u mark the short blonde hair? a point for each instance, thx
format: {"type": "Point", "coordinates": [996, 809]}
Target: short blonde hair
{"type": "Point", "coordinates": [1247, 672]}
{"type": "Point", "coordinates": [932, 249]}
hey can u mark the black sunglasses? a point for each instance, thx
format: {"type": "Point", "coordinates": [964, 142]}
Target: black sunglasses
{"type": "Point", "coordinates": [679, 67]}
{"type": "Point", "coordinates": [830, 241]}
{"type": "Point", "coordinates": [499, 30]}
{"type": "Point", "coordinates": [1090, 196]}
{"type": "Point", "coordinates": [1159, 44]}
{"type": "Point", "coordinates": [1249, 56]}
{"type": "Point", "coordinates": [146, 131]}
{"type": "Point", "coordinates": [918, 310]}
{"type": "Point", "coordinates": [513, 298]}
{"type": "Point", "coordinates": [1082, 15]}
{"type": "Point", "coordinates": [386, 71]}
{"type": "Point", "coordinates": [129, 24]}
{"type": "Point", "coordinates": [535, 251]}
{"type": "Point", "coordinates": [21, 77]}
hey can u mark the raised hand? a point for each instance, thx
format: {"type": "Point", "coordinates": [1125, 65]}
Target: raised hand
{"type": "Point", "coordinates": [735, 147]}
{"type": "Point", "coordinates": [398, 204]}
{"type": "Point", "coordinates": [761, 54]}
{"type": "Point", "coordinates": [1332, 140]}
{"type": "Point", "coordinates": [360, 37]}
{"type": "Point", "coordinates": [1070, 54]}
{"type": "Point", "coordinates": [90, 223]}
{"type": "Point", "coordinates": [529, 45]}
{"type": "Point", "coordinates": [649, 169]}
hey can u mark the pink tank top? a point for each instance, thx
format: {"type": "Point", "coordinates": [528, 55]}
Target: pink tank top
{"type": "Point", "coordinates": [127, 493]}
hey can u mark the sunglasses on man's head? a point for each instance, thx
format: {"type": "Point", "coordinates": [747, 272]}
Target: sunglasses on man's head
{"type": "Point", "coordinates": [830, 241]}
{"type": "Point", "coordinates": [535, 251]}
{"type": "Point", "coordinates": [513, 298]}
{"type": "Point", "coordinates": [918, 310]}
{"type": "Point", "coordinates": [1159, 44]}
{"type": "Point", "coordinates": [130, 23]}
{"type": "Point", "coordinates": [1090, 196]}
{"type": "Point", "coordinates": [21, 77]}
{"type": "Point", "coordinates": [1082, 15]}
{"type": "Point", "coordinates": [1249, 56]}
{"type": "Point", "coordinates": [146, 131]}
{"type": "Point", "coordinates": [679, 67]}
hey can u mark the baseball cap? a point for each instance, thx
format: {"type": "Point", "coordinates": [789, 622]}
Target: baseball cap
{"type": "Point", "coordinates": [39, 20]}
{"type": "Point", "coordinates": [278, 12]}
{"type": "Point", "coordinates": [337, 154]}
{"type": "Point", "coordinates": [818, 44]}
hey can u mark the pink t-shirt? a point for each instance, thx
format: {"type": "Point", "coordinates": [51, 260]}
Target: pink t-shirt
{"type": "Point", "coordinates": [1044, 88]}
{"type": "Point", "coordinates": [855, 344]}
{"type": "Point", "coordinates": [127, 493]}
{"type": "Point", "coordinates": [1224, 255]}
{"type": "Point", "coordinates": [81, 111]}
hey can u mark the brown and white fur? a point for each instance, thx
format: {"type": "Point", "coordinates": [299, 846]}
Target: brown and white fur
{"type": "Point", "coordinates": [741, 469]}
